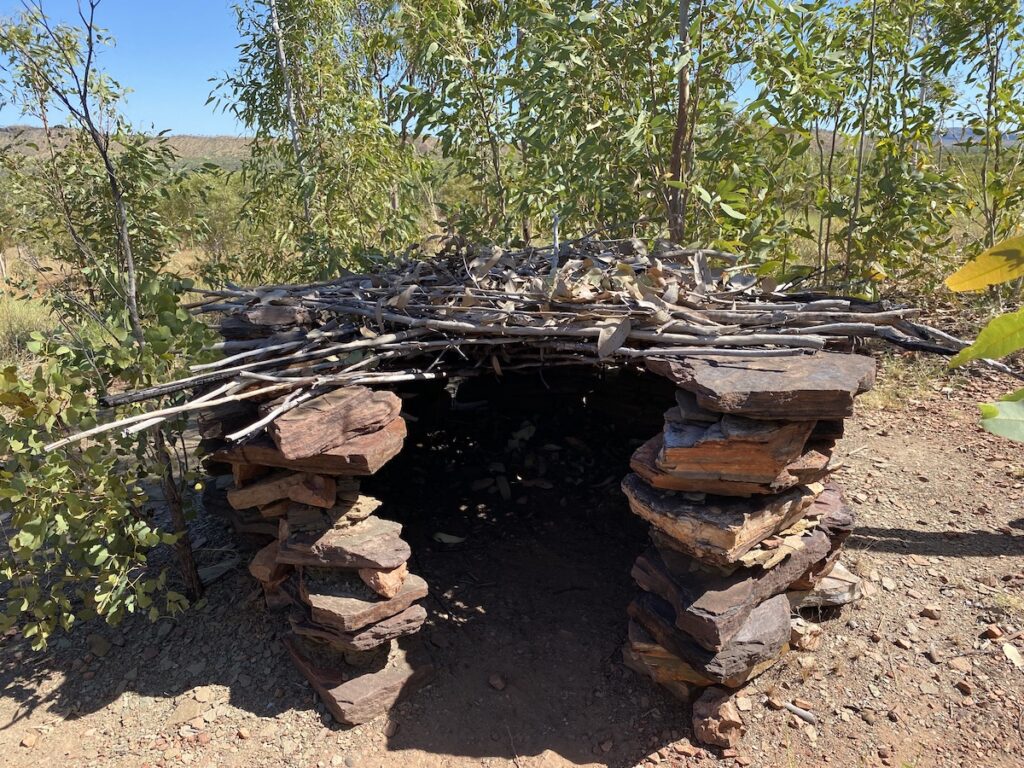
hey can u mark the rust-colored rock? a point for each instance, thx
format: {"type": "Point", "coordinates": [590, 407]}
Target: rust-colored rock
{"type": "Point", "coordinates": [716, 720]}
{"type": "Point", "coordinates": [811, 467]}
{"type": "Point", "coordinates": [370, 543]}
{"type": "Point", "coordinates": [761, 640]}
{"type": "Point", "coordinates": [837, 524]}
{"type": "Point", "coordinates": [712, 603]}
{"type": "Point", "coordinates": [266, 569]}
{"type": "Point", "coordinates": [361, 455]}
{"type": "Point", "coordinates": [339, 600]}
{"type": "Point", "coordinates": [732, 448]}
{"type": "Point", "coordinates": [839, 587]}
{"type": "Point", "coordinates": [719, 530]}
{"type": "Point", "coordinates": [329, 421]}
{"type": "Point", "coordinates": [355, 700]}
{"type": "Point", "coordinates": [316, 490]}
{"type": "Point", "coordinates": [405, 623]}
{"type": "Point", "coordinates": [796, 388]}
{"type": "Point", "coordinates": [385, 582]}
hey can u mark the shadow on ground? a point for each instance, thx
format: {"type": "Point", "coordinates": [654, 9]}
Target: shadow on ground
{"type": "Point", "coordinates": [951, 543]}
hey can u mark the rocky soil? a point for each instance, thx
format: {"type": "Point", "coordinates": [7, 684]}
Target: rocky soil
{"type": "Point", "coordinates": [529, 582]}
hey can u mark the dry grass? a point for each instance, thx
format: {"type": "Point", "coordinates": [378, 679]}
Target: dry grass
{"type": "Point", "coordinates": [907, 376]}
{"type": "Point", "coordinates": [19, 317]}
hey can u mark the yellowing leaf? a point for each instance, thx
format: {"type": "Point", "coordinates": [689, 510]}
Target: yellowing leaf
{"type": "Point", "coordinates": [1002, 336]}
{"type": "Point", "coordinates": [1001, 263]}
{"type": "Point", "coordinates": [611, 337]}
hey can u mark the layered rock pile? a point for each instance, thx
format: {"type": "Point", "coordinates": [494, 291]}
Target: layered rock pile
{"type": "Point", "coordinates": [339, 569]}
{"type": "Point", "coordinates": [746, 526]}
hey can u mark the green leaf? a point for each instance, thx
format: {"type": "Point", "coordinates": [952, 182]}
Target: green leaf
{"type": "Point", "coordinates": [1005, 419]}
{"type": "Point", "coordinates": [1002, 336]}
{"type": "Point", "coordinates": [731, 212]}
{"type": "Point", "coordinates": [1001, 263]}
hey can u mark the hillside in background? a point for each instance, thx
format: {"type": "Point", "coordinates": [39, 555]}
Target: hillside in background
{"type": "Point", "coordinates": [224, 151]}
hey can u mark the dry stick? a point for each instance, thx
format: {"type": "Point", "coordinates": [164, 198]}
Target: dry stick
{"type": "Point", "coordinates": [242, 345]}
{"type": "Point", "coordinates": [293, 400]}
{"type": "Point", "coordinates": [232, 386]}
{"type": "Point", "coordinates": [308, 340]}
{"type": "Point", "coordinates": [588, 332]}
{"type": "Point", "coordinates": [678, 351]}
{"type": "Point", "coordinates": [163, 412]}
{"type": "Point", "coordinates": [195, 381]}
{"type": "Point", "coordinates": [346, 378]}
{"type": "Point", "coordinates": [756, 315]}
{"type": "Point", "coordinates": [250, 353]}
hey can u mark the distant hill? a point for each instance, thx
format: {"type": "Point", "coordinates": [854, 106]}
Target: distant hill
{"type": "Point", "coordinates": [224, 151]}
{"type": "Point", "coordinates": [957, 134]}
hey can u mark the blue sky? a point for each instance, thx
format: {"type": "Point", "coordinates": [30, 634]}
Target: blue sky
{"type": "Point", "coordinates": [166, 52]}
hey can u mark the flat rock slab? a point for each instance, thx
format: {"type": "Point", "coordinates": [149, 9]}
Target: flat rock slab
{"type": "Point", "coordinates": [763, 637]}
{"type": "Point", "coordinates": [361, 455]}
{"type": "Point", "coordinates": [657, 666]}
{"type": "Point", "coordinates": [840, 587]}
{"type": "Point", "coordinates": [720, 529]}
{"type": "Point", "coordinates": [326, 422]}
{"type": "Point", "coordinates": [405, 623]}
{"type": "Point", "coordinates": [811, 467]}
{"type": "Point", "coordinates": [711, 606]}
{"type": "Point", "coordinates": [340, 600]}
{"type": "Point", "coordinates": [732, 448]}
{"type": "Point", "coordinates": [796, 388]}
{"type": "Point", "coordinates": [370, 543]}
{"type": "Point", "coordinates": [643, 654]}
{"type": "Point", "coordinates": [303, 487]}
{"type": "Point", "coordinates": [352, 698]}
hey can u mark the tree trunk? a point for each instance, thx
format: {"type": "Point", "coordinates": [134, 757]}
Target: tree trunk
{"type": "Point", "coordinates": [855, 213]}
{"type": "Point", "coordinates": [676, 211]}
{"type": "Point", "coordinates": [183, 546]}
{"type": "Point", "coordinates": [289, 103]}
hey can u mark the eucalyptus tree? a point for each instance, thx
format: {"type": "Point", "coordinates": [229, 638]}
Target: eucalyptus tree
{"type": "Point", "coordinates": [981, 45]}
{"type": "Point", "coordinates": [81, 522]}
{"type": "Point", "coordinates": [327, 177]}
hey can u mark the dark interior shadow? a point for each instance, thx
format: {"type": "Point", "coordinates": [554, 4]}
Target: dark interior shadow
{"type": "Point", "coordinates": [528, 608]}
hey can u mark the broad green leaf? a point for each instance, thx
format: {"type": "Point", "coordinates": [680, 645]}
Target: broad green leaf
{"type": "Point", "coordinates": [731, 212]}
{"type": "Point", "coordinates": [1005, 419]}
{"type": "Point", "coordinates": [1002, 336]}
{"type": "Point", "coordinates": [1001, 263]}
